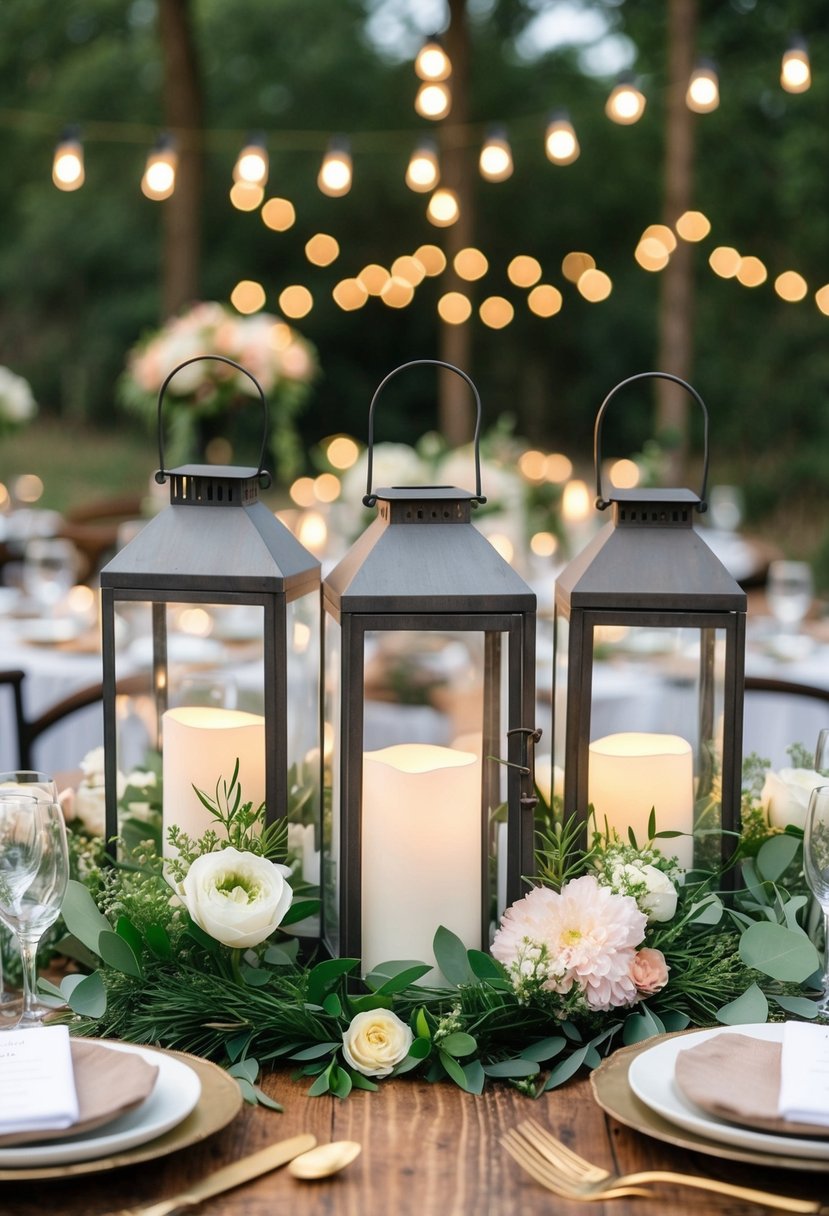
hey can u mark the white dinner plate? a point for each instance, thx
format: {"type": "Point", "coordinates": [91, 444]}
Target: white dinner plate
{"type": "Point", "coordinates": [651, 1077]}
{"type": "Point", "coordinates": [174, 1096]}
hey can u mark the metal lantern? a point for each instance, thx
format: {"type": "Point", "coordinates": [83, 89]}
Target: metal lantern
{"type": "Point", "coordinates": [218, 604]}
{"type": "Point", "coordinates": [429, 678]}
{"type": "Point", "coordinates": [648, 674]}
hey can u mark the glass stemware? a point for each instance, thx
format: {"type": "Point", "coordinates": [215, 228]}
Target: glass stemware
{"type": "Point", "coordinates": [34, 870]}
{"type": "Point", "coordinates": [37, 785]}
{"type": "Point", "coordinates": [789, 590]}
{"type": "Point", "coordinates": [816, 867]}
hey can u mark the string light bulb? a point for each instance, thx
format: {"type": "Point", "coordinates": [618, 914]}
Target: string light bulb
{"type": "Point", "coordinates": [252, 162]}
{"type": "Point", "coordinates": [443, 209]}
{"type": "Point", "coordinates": [703, 93]}
{"type": "Point", "coordinates": [67, 165]}
{"type": "Point", "coordinates": [423, 172]}
{"type": "Point", "coordinates": [159, 180]}
{"type": "Point", "coordinates": [795, 70]}
{"type": "Point", "coordinates": [495, 160]}
{"type": "Point", "coordinates": [335, 175]}
{"type": "Point", "coordinates": [433, 100]}
{"type": "Point", "coordinates": [626, 103]}
{"type": "Point", "coordinates": [432, 62]}
{"type": "Point", "coordinates": [560, 142]}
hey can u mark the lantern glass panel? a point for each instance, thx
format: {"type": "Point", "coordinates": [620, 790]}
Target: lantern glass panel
{"type": "Point", "coordinates": [303, 665]}
{"type": "Point", "coordinates": [656, 704]}
{"type": "Point", "coordinates": [432, 718]}
{"type": "Point", "coordinates": [332, 790]}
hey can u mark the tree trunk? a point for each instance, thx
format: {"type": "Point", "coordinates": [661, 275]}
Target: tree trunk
{"type": "Point", "coordinates": [183, 114]}
{"type": "Point", "coordinates": [675, 352]}
{"type": "Point", "coordinates": [455, 405]}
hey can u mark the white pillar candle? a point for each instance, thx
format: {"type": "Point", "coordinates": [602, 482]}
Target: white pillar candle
{"type": "Point", "coordinates": [200, 746]}
{"type": "Point", "coordinates": [421, 851]}
{"type": "Point", "coordinates": [632, 772]}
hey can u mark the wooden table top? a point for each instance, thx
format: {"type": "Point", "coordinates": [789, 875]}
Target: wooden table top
{"type": "Point", "coordinates": [428, 1150]}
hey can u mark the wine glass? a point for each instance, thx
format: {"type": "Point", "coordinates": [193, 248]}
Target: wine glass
{"type": "Point", "coordinates": [34, 870]}
{"type": "Point", "coordinates": [36, 785]}
{"type": "Point", "coordinates": [816, 867]}
{"type": "Point", "coordinates": [822, 753]}
{"type": "Point", "coordinates": [789, 590]}
{"type": "Point", "coordinates": [49, 570]}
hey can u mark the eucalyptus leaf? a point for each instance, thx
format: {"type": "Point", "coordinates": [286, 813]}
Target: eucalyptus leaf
{"type": "Point", "coordinates": [708, 911]}
{"type": "Point", "coordinates": [236, 1046]}
{"type": "Point", "coordinates": [800, 1006]}
{"type": "Point", "coordinates": [315, 1051]}
{"type": "Point", "coordinates": [325, 975]}
{"type": "Point", "coordinates": [778, 952]}
{"type": "Point", "coordinates": [89, 997]}
{"type": "Point", "coordinates": [248, 1069]}
{"type": "Point", "coordinates": [118, 953]}
{"type": "Point", "coordinates": [386, 971]}
{"type": "Point", "coordinates": [81, 916]}
{"type": "Point", "coordinates": [484, 966]}
{"type": "Point", "coordinates": [566, 1068]}
{"type": "Point", "coordinates": [519, 1067]}
{"type": "Point", "coordinates": [255, 977]}
{"type": "Point", "coordinates": [403, 979]}
{"type": "Point", "coordinates": [321, 1085]}
{"type": "Point", "coordinates": [544, 1049]}
{"type": "Point", "coordinates": [776, 855]}
{"type": "Point", "coordinates": [673, 1020]}
{"type": "Point", "coordinates": [332, 1005]}
{"type": "Point", "coordinates": [420, 1048]}
{"type": "Point", "coordinates": [451, 957]}
{"type": "Point", "coordinates": [361, 1082]}
{"type": "Point", "coordinates": [299, 911]}
{"type": "Point", "coordinates": [280, 956]}
{"type": "Point", "coordinates": [459, 1044]}
{"type": "Point", "coordinates": [453, 1069]}
{"type": "Point", "coordinates": [248, 1090]}
{"type": "Point", "coordinates": [263, 1099]}
{"type": "Point", "coordinates": [475, 1077]}
{"type": "Point", "coordinates": [340, 1082]}
{"type": "Point", "coordinates": [751, 1006]}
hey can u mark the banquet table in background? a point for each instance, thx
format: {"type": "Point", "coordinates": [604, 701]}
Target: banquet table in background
{"type": "Point", "coordinates": [427, 1150]}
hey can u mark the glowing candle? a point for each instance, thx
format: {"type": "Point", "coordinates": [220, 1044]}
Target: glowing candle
{"type": "Point", "coordinates": [632, 772]}
{"type": "Point", "coordinates": [201, 745]}
{"type": "Point", "coordinates": [421, 851]}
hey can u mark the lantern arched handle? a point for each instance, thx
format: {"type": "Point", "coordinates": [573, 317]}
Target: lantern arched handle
{"type": "Point", "coordinates": [369, 499]}
{"type": "Point", "coordinates": [601, 502]}
{"type": "Point", "coordinates": [262, 474]}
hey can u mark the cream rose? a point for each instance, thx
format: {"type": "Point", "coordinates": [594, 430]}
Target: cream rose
{"type": "Point", "coordinates": [649, 971]}
{"type": "Point", "coordinates": [785, 795]}
{"type": "Point", "coordinates": [375, 1041]}
{"type": "Point", "coordinates": [238, 898]}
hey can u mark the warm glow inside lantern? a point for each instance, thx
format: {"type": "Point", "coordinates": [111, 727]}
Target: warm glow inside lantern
{"type": "Point", "coordinates": [217, 604]}
{"type": "Point", "coordinates": [648, 670]}
{"type": "Point", "coordinates": [429, 675]}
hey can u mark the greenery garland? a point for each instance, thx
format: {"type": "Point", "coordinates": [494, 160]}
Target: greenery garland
{"type": "Point", "coordinates": [155, 976]}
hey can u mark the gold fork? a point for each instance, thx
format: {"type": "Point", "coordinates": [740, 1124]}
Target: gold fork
{"type": "Point", "coordinates": [570, 1176]}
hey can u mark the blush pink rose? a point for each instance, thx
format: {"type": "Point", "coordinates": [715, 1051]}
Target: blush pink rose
{"type": "Point", "coordinates": [649, 971]}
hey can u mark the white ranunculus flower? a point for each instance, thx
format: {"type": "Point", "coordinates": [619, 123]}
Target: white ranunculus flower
{"type": "Point", "coordinates": [659, 903]}
{"type": "Point", "coordinates": [785, 795]}
{"type": "Point", "coordinates": [376, 1041]}
{"type": "Point", "coordinates": [238, 898]}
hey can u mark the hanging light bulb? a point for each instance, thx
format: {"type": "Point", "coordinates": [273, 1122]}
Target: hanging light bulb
{"type": "Point", "coordinates": [703, 93]}
{"type": "Point", "coordinates": [560, 142]}
{"type": "Point", "coordinates": [495, 161]}
{"type": "Point", "coordinates": [432, 62]}
{"type": "Point", "coordinates": [423, 172]}
{"type": "Point", "coordinates": [159, 180]}
{"type": "Point", "coordinates": [433, 100]}
{"type": "Point", "coordinates": [67, 165]}
{"type": "Point", "coordinates": [443, 209]}
{"type": "Point", "coordinates": [795, 71]}
{"type": "Point", "coordinates": [334, 177]}
{"type": "Point", "coordinates": [252, 162]}
{"type": "Point", "coordinates": [626, 103]}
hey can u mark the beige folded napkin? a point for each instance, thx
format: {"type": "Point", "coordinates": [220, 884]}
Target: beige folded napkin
{"type": "Point", "coordinates": [109, 1083]}
{"type": "Point", "coordinates": [737, 1078]}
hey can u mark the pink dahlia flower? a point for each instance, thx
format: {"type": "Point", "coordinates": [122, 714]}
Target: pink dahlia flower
{"type": "Point", "coordinates": [584, 935]}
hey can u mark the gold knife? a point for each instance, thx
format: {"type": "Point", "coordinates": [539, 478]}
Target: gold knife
{"type": "Point", "coordinates": [229, 1176]}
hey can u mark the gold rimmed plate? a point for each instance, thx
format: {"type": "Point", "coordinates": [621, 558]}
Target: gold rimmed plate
{"type": "Point", "coordinates": [612, 1091]}
{"type": "Point", "coordinates": [220, 1100]}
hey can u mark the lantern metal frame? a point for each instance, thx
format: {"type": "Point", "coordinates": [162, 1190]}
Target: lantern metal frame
{"type": "Point", "coordinates": [649, 567]}
{"type": "Point", "coordinates": [216, 543]}
{"type": "Point", "coordinates": [383, 586]}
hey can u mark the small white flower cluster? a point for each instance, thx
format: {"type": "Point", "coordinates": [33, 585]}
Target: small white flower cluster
{"type": "Point", "coordinates": [645, 875]}
{"type": "Point", "coordinates": [17, 403]}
